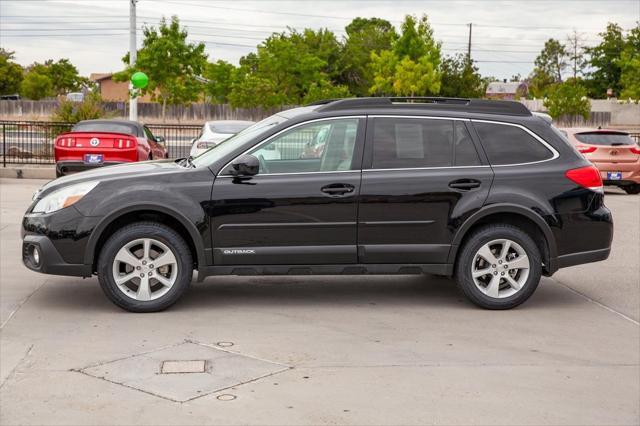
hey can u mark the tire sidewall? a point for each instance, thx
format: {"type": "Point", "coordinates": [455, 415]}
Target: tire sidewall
{"type": "Point", "coordinates": [477, 240]}
{"type": "Point", "coordinates": [145, 230]}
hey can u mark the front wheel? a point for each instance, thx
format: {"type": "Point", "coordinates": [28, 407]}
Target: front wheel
{"type": "Point", "coordinates": [499, 267]}
{"type": "Point", "coordinates": [632, 189]}
{"type": "Point", "coordinates": [145, 267]}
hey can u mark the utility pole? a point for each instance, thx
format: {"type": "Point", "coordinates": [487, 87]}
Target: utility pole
{"type": "Point", "coordinates": [133, 50]}
{"type": "Point", "coordinates": [469, 45]}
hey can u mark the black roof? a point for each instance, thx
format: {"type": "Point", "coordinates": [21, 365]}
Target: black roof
{"type": "Point", "coordinates": [426, 103]}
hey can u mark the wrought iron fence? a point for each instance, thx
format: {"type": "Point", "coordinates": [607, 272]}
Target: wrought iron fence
{"type": "Point", "coordinates": [178, 137]}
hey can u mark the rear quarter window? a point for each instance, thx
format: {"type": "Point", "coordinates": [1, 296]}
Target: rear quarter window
{"type": "Point", "coordinates": [505, 144]}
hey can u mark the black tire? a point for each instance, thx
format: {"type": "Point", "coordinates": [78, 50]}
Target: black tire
{"type": "Point", "coordinates": [632, 189]}
{"type": "Point", "coordinates": [129, 233]}
{"type": "Point", "coordinates": [466, 256]}
{"type": "Point", "coordinates": [58, 173]}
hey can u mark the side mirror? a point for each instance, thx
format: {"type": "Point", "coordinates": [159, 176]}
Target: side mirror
{"type": "Point", "coordinates": [247, 165]}
{"type": "Point", "coordinates": [160, 140]}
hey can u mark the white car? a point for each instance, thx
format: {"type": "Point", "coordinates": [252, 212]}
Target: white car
{"type": "Point", "coordinates": [214, 132]}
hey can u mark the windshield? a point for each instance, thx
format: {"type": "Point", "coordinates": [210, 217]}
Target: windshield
{"type": "Point", "coordinates": [605, 138]}
{"type": "Point", "coordinates": [229, 145]}
{"type": "Point", "coordinates": [228, 128]}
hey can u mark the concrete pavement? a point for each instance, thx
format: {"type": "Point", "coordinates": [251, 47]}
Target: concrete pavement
{"type": "Point", "coordinates": [360, 350]}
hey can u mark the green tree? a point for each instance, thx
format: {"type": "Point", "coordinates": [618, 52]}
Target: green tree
{"type": "Point", "coordinates": [72, 112]}
{"type": "Point", "coordinates": [286, 67]}
{"type": "Point", "coordinates": [172, 64]}
{"type": "Point", "coordinates": [552, 60]}
{"type": "Point", "coordinates": [416, 77]}
{"type": "Point", "coordinates": [383, 67]}
{"type": "Point", "coordinates": [325, 90]}
{"type": "Point", "coordinates": [416, 40]}
{"type": "Point", "coordinates": [12, 73]}
{"type": "Point", "coordinates": [36, 85]}
{"type": "Point", "coordinates": [64, 76]}
{"type": "Point", "coordinates": [460, 78]}
{"type": "Point", "coordinates": [252, 91]}
{"type": "Point", "coordinates": [397, 71]}
{"type": "Point", "coordinates": [630, 65]}
{"type": "Point", "coordinates": [221, 75]}
{"type": "Point", "coordinates": [604, 60]}
{"type": "Point", "coordinates": [364, 37]}
{"type": "Point", "coordinates": [568, 99]}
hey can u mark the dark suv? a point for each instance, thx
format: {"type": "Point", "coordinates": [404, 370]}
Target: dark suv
{"type": "Point", "coordinates": [483, 191]}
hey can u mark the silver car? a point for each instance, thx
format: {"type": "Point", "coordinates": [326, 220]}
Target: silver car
{"type": "Point", "coordinates": [214, 132]}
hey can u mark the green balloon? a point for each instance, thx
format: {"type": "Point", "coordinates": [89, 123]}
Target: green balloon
{"type": "Point", "coordinates": [139, 80]}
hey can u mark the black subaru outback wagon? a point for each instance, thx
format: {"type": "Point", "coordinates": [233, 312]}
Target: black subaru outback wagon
{"type": "Point", "coordinates": [483, 191]}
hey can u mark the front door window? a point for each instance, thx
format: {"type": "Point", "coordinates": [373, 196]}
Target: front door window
{"type": "Point", "coordinates": [324, 146]}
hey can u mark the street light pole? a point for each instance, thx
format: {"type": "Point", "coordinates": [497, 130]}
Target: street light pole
{"type": "Point", "coordinates": [133, 50]}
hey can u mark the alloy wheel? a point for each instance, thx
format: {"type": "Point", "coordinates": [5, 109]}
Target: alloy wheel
{"type": "Point", "coordinates": [500, 268]}
{"type": "Point", "coordinates": [145, 269]}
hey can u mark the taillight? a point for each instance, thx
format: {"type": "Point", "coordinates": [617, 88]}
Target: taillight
{"type": "Point", "coordinates": [66, 142]}
{"type": "Point", "coordinates": [635, 150]}
{"type": "Point", "coordinates": [586, 149]}
{"type": "Point", "coordinates": [124, 143]}
{"type": "Point", "coordinates": [587, 177]}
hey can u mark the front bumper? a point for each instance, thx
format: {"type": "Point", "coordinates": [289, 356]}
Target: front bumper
{"type": "Point", "coordinates": [66, 167]}
{"type": "Point", "coordinates": [40, 255]}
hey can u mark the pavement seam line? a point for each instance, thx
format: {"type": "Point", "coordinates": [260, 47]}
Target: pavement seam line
{"type": "Point", "coordinates": [25, 300]}
{"type": "Point", "coordinates": [602, 305]}
{"type": "Point", "coordinates": [13, 372]}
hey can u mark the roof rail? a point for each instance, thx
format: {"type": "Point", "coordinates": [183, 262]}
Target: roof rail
{"type": "Point", "coordinates": [452, 104]}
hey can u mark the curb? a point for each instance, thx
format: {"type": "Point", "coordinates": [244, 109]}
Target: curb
{"type": "Point", "coordinates": [28, 172]}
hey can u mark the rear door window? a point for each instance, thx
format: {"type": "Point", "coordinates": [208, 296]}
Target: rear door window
{"type": "Point", "coordinates": [421, 143]}
{"type": "Point", "coordinates": [506, 144]}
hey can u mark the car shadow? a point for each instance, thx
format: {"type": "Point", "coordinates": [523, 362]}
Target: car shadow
{"type": "Point", "coordinates": [279, 292]}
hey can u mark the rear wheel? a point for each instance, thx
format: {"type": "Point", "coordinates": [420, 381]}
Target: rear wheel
{"type": "Point", "coordinates": [145, 267]}
{"type": "Point", "coordinates": [632, 189]}
{"type": "Point", "coordinates": [499, 267]}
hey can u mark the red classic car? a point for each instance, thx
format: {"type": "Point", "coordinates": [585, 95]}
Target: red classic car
{"type": "Point", "coordinates": [97, 143]}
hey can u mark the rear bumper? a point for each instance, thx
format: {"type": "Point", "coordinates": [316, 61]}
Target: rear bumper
{"type": "Point", "coordinates": [573, 259]}
{"type": "Point", "coordinates": [620, 183]}
{"type": "Point", "coordinates": [65, 167]}
{"type": "Point", "coordinates": [629, 173]}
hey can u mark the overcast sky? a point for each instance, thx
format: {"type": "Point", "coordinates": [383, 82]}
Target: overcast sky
{"type": "Point", "coordinates": [507, 35]}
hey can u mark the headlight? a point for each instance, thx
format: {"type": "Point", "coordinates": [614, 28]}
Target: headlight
{"type": "Point", "coordinates": [64, 197]}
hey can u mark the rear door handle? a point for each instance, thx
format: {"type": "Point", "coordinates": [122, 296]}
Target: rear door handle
{"type": "Point", "coordinates": [338, 189]}
{"type": "Point", "coordinates": [465, 184]}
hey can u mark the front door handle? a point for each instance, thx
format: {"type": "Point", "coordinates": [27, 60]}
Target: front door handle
{"type": "Point", "coordinates": [465, 184]}
{"type": "Point", "coordinates": [338, 189]}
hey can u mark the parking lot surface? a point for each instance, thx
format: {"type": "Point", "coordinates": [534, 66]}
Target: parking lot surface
{"type": "Point", "coordinates": [322, 350]}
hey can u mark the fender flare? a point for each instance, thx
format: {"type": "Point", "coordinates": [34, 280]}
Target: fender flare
{"type": "Point", "coordinates": [97, 232]}
{"type": "Point", "coordinates": [506, 208]}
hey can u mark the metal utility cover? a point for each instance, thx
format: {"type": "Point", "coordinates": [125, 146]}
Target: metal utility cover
{"type": "Point", "coordinates": [178, 367]}
{"type": "Point", "coordinates": [218, 370]}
